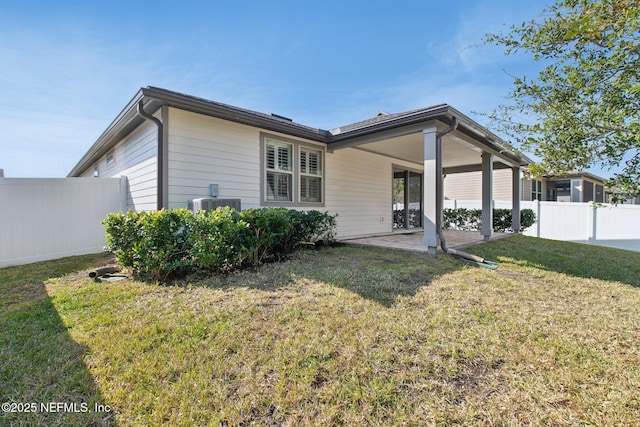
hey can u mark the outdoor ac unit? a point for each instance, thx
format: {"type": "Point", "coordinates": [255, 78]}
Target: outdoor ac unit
{"type": "Point", "coordinates": [210, 204]}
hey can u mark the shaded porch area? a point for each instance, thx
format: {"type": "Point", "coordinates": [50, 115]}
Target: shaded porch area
{"type": "Point", "coordinates": [425, 146]}
{"type": "Point", "coordinates": [456, 239]}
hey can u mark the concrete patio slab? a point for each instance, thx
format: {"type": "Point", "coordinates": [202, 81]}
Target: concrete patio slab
{"type": "Point", "coordinates": [413, 241]}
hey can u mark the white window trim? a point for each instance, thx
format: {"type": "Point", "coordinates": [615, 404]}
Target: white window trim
{"type": "Point", "coordinates": [297, 147]}
{"type": "Point", "coordinates": [307, 174]}
{"type": "Point", "coordinates": [534, 189]}
{"type": "Point", "coordinates": [289, 171]}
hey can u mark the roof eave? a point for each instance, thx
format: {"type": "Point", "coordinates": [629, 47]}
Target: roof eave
{"type": "Point", "coordinates": [234, 114]}
{"type": "Point", "coordinates": [155, 98]}
{"type": "Point", "coordinates": [576, 174]}
{"type": "Point", "coordinates": [122, 125]}
{"type": "Point", "coordinates": [445, 114]}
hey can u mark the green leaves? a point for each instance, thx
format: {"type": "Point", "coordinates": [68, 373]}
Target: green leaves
{"type": "Point", "coordinates": [583, 109]}
{"type": "Point", "coordinates": [173, 243]}
{"type": "Point", "coordinates": [471, 219]}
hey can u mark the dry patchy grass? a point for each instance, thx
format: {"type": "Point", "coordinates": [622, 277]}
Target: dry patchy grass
{"type": "Point", "coordinates": [353, 336]}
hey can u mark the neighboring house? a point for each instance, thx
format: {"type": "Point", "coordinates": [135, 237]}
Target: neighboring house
{"type": "Point", "coordinates": [172, 147]}
{"type": "Point", "coordinates": [632, 200]}
{"type": "Point", "coordinates": [468, 186]}
{"type": "Point", "coordinates": [573, 187]}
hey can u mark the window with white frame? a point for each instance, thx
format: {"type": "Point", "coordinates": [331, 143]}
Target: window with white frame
{"type": "Point", "coordinates": [536, 189]}
{"type": "Point", "coordinates": [279, 171]}
{"type": "Point", "coordinates": [292, 173]}
{"type": "Point", "coordinates": [310, 175]}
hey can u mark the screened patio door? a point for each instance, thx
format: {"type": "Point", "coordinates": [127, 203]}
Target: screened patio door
{"type": "Point", "coordinates": [407, 199]}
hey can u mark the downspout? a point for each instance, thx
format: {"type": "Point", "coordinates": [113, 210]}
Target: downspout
{"type": "Point", "coordinates": [440, 204]}
{"type": "Point", "coordinates": [160, 201]}
{"type": "Point", "coordinates": [440, 182]}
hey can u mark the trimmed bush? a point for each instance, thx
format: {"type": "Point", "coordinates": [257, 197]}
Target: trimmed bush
{"type": "Point", "coordinates": [471, 219]}
{"type": "Point", "coordinates": [462, 219]}
{"type": "Point", "coordinates": [267, 232]}
{"type": "Point", "coordinates": [219, 240]}
{"type": "Point", "coordinates": [310, 226]}
{"type": "Point", "coordinates": [173, 243]}
{"type": "Point", "coordinates": [502, 220]}
{"type": "Point", "coordinates": [527, 218]}
{"type": "Point", "coordinates": [155, 244]}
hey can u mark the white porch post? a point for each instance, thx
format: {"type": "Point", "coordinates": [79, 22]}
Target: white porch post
{"type": "Point", "coordinates": [430, 238]}
{"type": "Point", "coordinates": [487, 196]}
{"type": "Point", "coordinates": [515, 196]}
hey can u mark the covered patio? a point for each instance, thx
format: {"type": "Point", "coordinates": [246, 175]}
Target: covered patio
{"type": "Point", "coordinates": [456, 239]}
{"type": "Point", "coordinates": [438, 140]}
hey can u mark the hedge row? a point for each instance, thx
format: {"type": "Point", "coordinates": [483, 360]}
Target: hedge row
{"type": "Point", "coordinates": [471, 219]}
{"type": "Point", "coordinates": [173, 243]}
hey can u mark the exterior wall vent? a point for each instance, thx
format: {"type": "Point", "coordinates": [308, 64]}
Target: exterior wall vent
{"type": "Point", "coordinates": [210, 204]}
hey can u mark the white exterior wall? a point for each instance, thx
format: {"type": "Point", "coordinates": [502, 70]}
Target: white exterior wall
{"type": "Point", "coordinates": [468, 185]}
{"type": "Point", "coordinates": [49, 218]}
{"type": "Point", "coordinates": [204, 150]}
{"type": "Point", "coordinates": [359, 190]}
{"type": "Point", "coordinates": [136, 158]}
{"type": "Point", "coordinates": [526, 189]}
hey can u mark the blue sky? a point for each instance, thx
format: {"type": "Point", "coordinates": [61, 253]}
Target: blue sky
{"type": "Point", "coordinates": [70, 67]}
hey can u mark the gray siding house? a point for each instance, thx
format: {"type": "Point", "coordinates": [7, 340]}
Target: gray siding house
{"type": "Point", "coordinates": [573, 187]}
{"type": "Point", "coordinates": [173, 147]}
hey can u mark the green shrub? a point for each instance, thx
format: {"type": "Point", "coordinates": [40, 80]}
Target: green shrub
{"type": "Point", "coordinates": [219, 244]}
{"type": "Point", "coordinates": [527, 218]}
{"type": "Point", "coordinates": [471, 219]}
{"type": "Point", "coordinates": [123, 234]}
{"type": "Point", "coordinates": [462, 219]}
{"type": "Point", "coordinates": [310, 227]}
{"type": "Point", "coordinates": [502, 220]}
{"type": "Point", "coordinates": [172, 243]}
{"type": "Point", "coordinates": [267, 232]}
{"type": "Point", "coordinates": [156, 244]}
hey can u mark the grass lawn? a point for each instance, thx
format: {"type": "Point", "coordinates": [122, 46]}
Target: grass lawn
{"type": "Point", "coordinates": [338, 336]}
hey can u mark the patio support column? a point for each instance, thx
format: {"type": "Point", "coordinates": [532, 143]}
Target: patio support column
{"type": "Point", "coordinates": [515, 197]}
{"type": "Point", "coordinates": [430, 238]}
{"type": "Point", "coordinates": [487, 196]}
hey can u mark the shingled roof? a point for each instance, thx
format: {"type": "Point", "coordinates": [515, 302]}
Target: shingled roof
{"type": "Point", "coordinates": [381, 117]}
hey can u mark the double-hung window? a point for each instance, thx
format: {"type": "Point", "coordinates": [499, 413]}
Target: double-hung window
{"type": "Point", "coordinates": [536, 190]}
{"type": "Point", "coordinates": [310, 175]}
{"type": "Point", "coordinates": [292, 173]}
{"type": "Point", "coordinates": [279, 168]}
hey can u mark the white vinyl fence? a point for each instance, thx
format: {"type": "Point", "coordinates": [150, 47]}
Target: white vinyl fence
{"type": "Point", "coordinates": [603, 224]}
{"type": "Point", "coordinates": [49, 218]}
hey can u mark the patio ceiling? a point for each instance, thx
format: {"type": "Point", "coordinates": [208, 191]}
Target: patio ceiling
{"type": "Point", "coordinates": [460, 152]}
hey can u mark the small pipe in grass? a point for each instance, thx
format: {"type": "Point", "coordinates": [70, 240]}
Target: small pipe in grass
{"type": "Point", "coordinates": [104, 270]}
